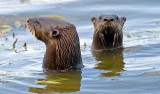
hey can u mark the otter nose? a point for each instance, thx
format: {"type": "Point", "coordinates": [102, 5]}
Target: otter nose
{"type": "Point", "coordinates": [108, 19]}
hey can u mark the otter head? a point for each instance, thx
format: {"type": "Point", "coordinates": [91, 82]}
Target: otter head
{"type": "Point", "coordinates": [44, 29]}
{"type": "Point", "coordinates": [62, 43]}
{"type": "Point", "coordinates": [108, 32]}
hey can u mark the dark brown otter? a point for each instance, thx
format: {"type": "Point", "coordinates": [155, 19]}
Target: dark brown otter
{"type": "Point", "coordinates": [62, 43]}
{"type": "Point", "coordinates": [108, 32]}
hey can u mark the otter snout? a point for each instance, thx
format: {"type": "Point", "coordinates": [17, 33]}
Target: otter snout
{"type": "Point", "coordinates": [28, 23]}
{"type": "Point", "coordinates": [108, 32]}
{"type": "Point", "coordinates": [33, 21]}
{"type": "Point", "coordinates": [108, 19]}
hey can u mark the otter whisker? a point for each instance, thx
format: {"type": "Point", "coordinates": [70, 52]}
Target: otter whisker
{"type": "Point", "coordinates": [115, 35]}
{"type": "Point", "coordinates": [119, 27]}
{"type": "Point", "coordinates": [99, 29]}
{"type": "Point", "coordinates": [104, 42]}
{"type": "Point", "coordinates": [113, 25]}
{"type": "Point", "coordinates": [33, 33]}
{"type": "Point", "coordinates": [108, 32]}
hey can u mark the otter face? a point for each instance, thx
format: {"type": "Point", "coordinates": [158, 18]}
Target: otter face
{"type": "Point", "coordinates": [108, 23]}
{"type": "Point", "coordinates": [108, 32]}
{"type": "Point", "coordinates": [41, 30]}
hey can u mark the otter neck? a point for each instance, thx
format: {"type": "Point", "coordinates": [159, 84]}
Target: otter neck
{"type": "Point", "coordinates": [49, 58]}
{"type": "Point", "coordinates": [57, 58]}
{"type": "Point", "coordinates": [107, 40]}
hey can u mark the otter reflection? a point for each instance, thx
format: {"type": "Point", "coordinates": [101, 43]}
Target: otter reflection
{"type": "Point", "coordinates": [111, 60]}
{"type": "Point", "coordinates": [59, 82]}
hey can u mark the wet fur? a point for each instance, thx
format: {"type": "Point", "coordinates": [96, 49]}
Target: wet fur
{"type": "Point", "coordinates": [108, 34]}
{"type": "Point", "coordinates": [62, 43]}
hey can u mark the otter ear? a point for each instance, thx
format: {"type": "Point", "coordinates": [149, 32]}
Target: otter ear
{"type": "Point", "coordinates": [123, 20]}
{"type": "Point", "coordinates": [55, 33]}
{"type": "Point", "coordinates": [94, 21]}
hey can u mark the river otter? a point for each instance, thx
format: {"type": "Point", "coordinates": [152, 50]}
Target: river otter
{"type": "Point", "coordinates": [61, 40]}
{"type": "Point", "coordinates": [108, 32]}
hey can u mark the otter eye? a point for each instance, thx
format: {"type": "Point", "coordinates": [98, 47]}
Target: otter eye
{"type": "Point", "coordinates": [117, 18]}
{"type": "Point", "coordinates": [55, 33]}
{"type": "Point", "coordinates": [100, 17]}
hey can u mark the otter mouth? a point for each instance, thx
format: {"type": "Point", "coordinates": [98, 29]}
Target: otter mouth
{"type": "Point", "coordinates": [109, 30]}
{"type": "Point", "coordinates": [29, 29]}
{"type": "Point", "coordinates": [33, 32]}
{"type": "Point", "coordinates": [109, 36]}
{"type": "Point", "coordinates": [37, 33]}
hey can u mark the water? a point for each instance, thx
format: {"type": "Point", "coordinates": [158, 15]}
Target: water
{"type": "Point", "coordinates": [135, 69]}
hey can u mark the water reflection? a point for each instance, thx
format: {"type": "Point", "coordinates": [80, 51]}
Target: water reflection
{"type": "Point", "coordinates": [24, 1]}
{"type": "Point", "coordinates": [59, 82]}
{"type": "Point", "coordinates": [111, 61]}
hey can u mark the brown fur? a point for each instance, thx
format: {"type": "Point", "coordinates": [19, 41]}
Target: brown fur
{"type": "Point", "coordinates": [62, 43]}
{"type": "Point", "coordinates": [108, 32]}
